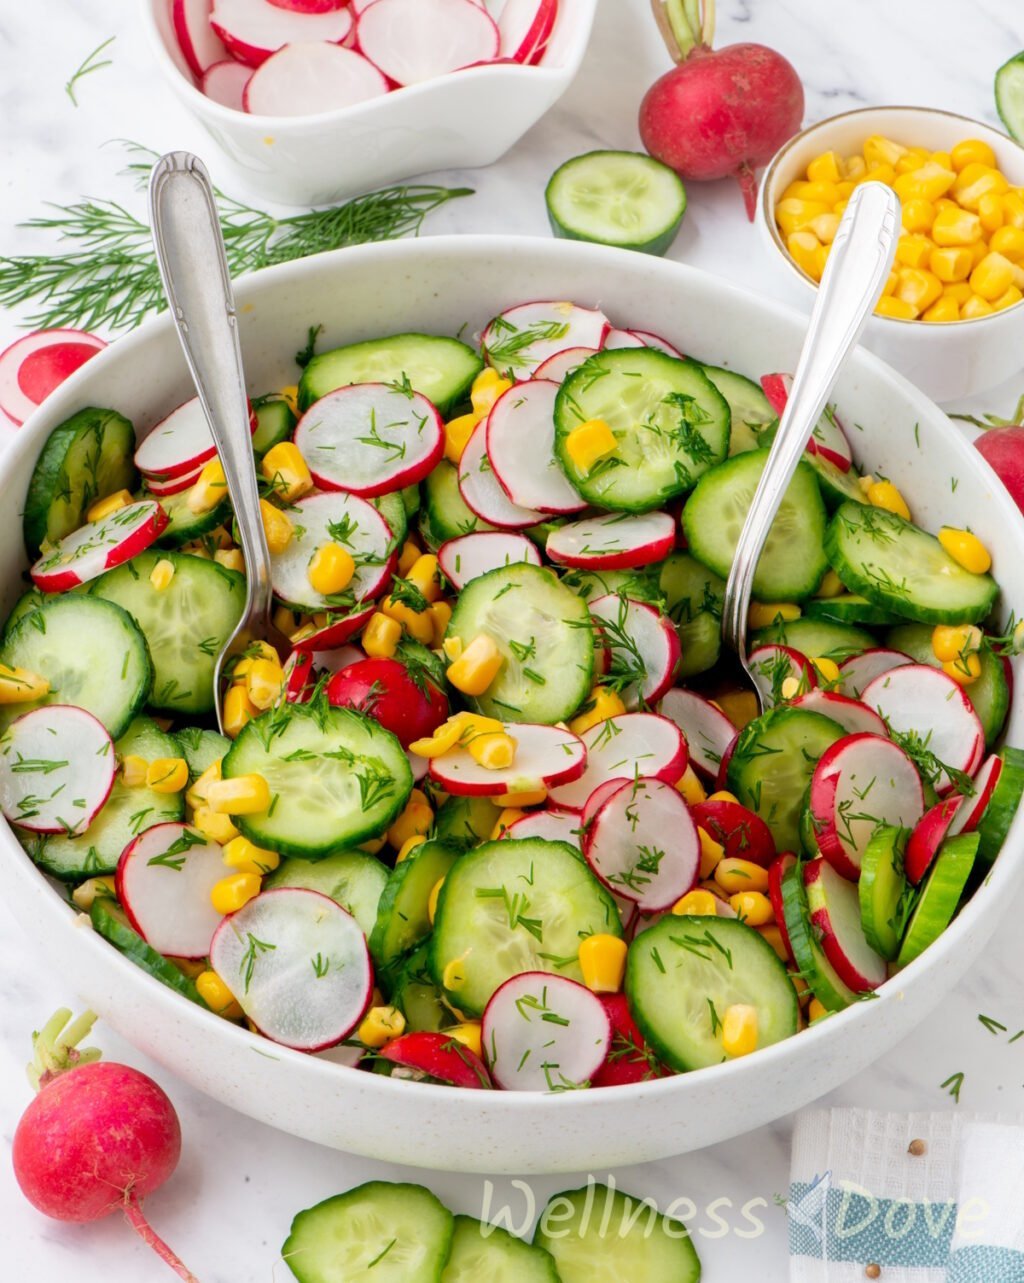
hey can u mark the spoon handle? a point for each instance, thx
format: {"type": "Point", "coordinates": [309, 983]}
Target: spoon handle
{"type": "Point", "coordinates": [857, 269]}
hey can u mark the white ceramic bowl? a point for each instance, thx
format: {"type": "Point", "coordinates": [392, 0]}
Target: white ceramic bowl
{"type": "Point", "coordinates": [441, 285]}
{"type": "Point", "coordinates": [950, 360]}
{"type": "Point", "coordinates": [461, 121]}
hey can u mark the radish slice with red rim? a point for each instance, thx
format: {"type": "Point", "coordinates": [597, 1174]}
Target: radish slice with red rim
{"type": "Point", "coordinates": [522, 338]}
{"type": "Point", "coordinates": [33, 366]}
{"type": "Point", "coordinates": [418, 765]}
{"type": "Point", "coordinates": [524, 27]}
{"type": "Point", "coordinates": [707, 729]}
{"type": "Point", "coordinates": [545, 757]}
{"type": "Point", "coordinates": [642, 844]}
{"type": "Point", "coordinates": [551, 826]}
{"type": "Point", "coordinates": [561, 365]}
{"type": "Point", "coordinates": [625, 747]}
{"type": "Point", "coordinates": [722, 778]}
{"type": "Point", "coordinates": [933, 711]}
{"type": "Point", "coordinates": [337, 630]}
{"type": "Point", "coordinates": [180, 443]}
{"type": "Point", "coordinates": [777, 870]}
{"type": "Point", "coordinates": [740, 832]}
{"type": "Point", "coordinates": [370, 439]}
{"type": "Point", "coordinates": [828, 438]}
{"type": "Point", "coordinates": [298, 673]}
{"type": "Point", "coordinates": [773, 665]}
{"type": "Point", "coordinates": [481, 490]}
{"type": "Point", "coordinates": [658, 343]}
{"type": "Point", "coordinates": [297, 964]}
{"type": "Point", "coordinates": [310, 6]}
{"type": "Point", "coordinates": [309, 78]}
{"type": "Point", "coordinates": [99, 545]}
{"type": "Point", "coordinates": [927, 837]}
{"type": "Point", "coordinates": [164, 880]}
{"type": "Point", "coordinates": [835, 912]}
{"type": "Point", "coordinates": [438, 1057]}
{"type": "Point", "coordinates": [615, 541]}
{"type": "Point", "coordinates": [968, 817]}
{"type": "Point", "coordinates": [333, 518]}
{"type": "Point", "coordinates": [57, 766]}
{"type": "Point", "coordinates": [254, 29]}
{"type": "Point", "coordinates": [597, 799]}
{"type": "Point", "coordinates": [521, 448]}
{"type": "Point", "coordinates": [470, 556]}
{"type": "Point", "coordinates": [200, 45]}
{"type": "Point", "coordinates": [616, 339]}
{"type": "Point", "coordinates": [164, 489]}
{"type": "Point", "coordinates": [225, 82]}
{"type": "Point", "coordinates": [857, 672]}
{"type": "Point", "coordinates": [642, 644]}
{"type": "Point", "coordinates": [414, 40]}
{"type": "Point", "coordinates": [852, 715]}
{"type": "Point", "coordinates": [544, 1033]}
{"type": "Point", "coordinates": [629, 1059]}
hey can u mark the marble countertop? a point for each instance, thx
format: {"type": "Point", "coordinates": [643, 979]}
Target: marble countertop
{"type": "Point", "coordinates": [228, 1207]}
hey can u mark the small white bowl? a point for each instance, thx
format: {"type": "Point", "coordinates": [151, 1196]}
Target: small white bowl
{"type": "Point", "coordinates": [464, 120]}
{"type": "Point", "coordinates": [950, 360]}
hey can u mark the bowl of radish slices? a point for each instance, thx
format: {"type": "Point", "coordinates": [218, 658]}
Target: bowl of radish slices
{"type": "Point", "coordinates": [501, 868]}
{"type": "Point", "coordinates": [321, 99]}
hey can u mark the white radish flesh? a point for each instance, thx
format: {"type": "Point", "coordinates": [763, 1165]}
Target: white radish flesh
{"type": "Point", "coordinates": [180, 443]}
{"type": "Point", "coordinates": [616, 339]}
{"type": "Point", "coordinates": [561, 365]}
{"type": "Point", "coordinates": [640, 640]}
{"type": "Point", "coordinates": [164, 880]}
{"type": "Point", "coordinates": [551, 826]}
{"type": "Point", "coordinates": [835, 912]}
{"type": "Point", "coordinates": [470, 556]}
{"type": "Point", "coordinates": [625, 747]}
{"type": "Point", "coordinates": [337, 630]}
{"type": "Point", "coordinates": [254, 29]}
{"type": "Point", "coordinates": [482, 491]}
{"type": "Point", "coordinates": [311, 78]}
{"type": "Point", "coordinates": [968, 816]}
{"type": "Point", "coordinates": [225, 82]}
{"type": "Point", "coordinates": [707, 729]}
{"type": "Point", "coordinates": [163, 488]}
{"type": "Point", "coordinates": [828, 438]}
{"type": "Point", "coordinates": [613, 542]}
{"type": "Point", "coordinates": [333, 518]}
{"type": "Point", "coordinates": [523, 337]}
{"type": "Point", "coordinates": [414, 40]}
{"type": "Point", "coordinates": [545, 757]}
{"type": "Point", "coordinates": [57, 766]}
{"type": "Point", "coordinates": [525, 27]}
{"type": "Point", "coordinates": [200, 45]}
{"type": "Point", "coordinates": [33, 366]}
{"type": "Point", "coordinates": [100, 545]}
{"type": "Point", "coordinates": [857, 672]}
{"type": "Point", "coordinates": [853, 716]}
{"type": "Point", "coordinates": [659, 344]}
{"type": "Point", "coordinates": [521, 448]}
{"type": "Point", "coordinates": [773, 666]}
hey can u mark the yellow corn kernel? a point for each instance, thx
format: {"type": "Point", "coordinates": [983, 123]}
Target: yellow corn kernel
{"type": "Point", "coordinates": [231, 893]}
{"type": "Point", "coordinates": [415, 622]}
{"type": "Point", "coordinates": [913, 158]}
{"type": "Point", "coordinates": [487, 387]}
{"type": "Point", "coordinates": [286, 470]}
{"type": "Point", "coordinates": [381, 636]}
{"type": "Point", "coordinates": [992, 276]}
{"type": "Point", "coordinates": [734, 875]}
{"type": "Point", "coordinates": [990, 211]}
{"type": "Point", "coordinates": [824, 227]}
{"type": "Point", "coordinates": [264, 682]}
{"type": "Point", "coordinates": [435, 892]}
{"type": "Point", "coordinates": [825, 193]}
{"type": "Point", "coordinates": [452, 648]}
{"type": "Point", "coordinates": [423, 576]}
{"type": "Point", "coordinates": [912, 251]}
{"type": "Point", "coordinates": [959, 292]}
{"type": "Point", "coordinates": [828, 669]}
{"type": "Point", "coordinates": [285, 620]}
{"type": "Point", "coordinates": [956, 227]}
{"type": "Point", "coordinates": [879, 174]}
{"type": "Point", "coordinates": [470, 724]}
{"type": "Point", "coordinates": [133, 771]}
{"type": "Point", "coordinates": [740, 707]}
{"type": "Point", "coordinates": [753, 907]}
{"type": "Point", "coordinates": [381, 1025]}
{"type": "Point", "coordinates": [197, 793]}
{"type": "Point", "coordinates": [918, 287]}
{"type": "Point", "coordinates": [440, 613]}
{"type": "Point", "coordinates": [966, 548]}
{"type": "Point", "coordinates": [773, 935]}
{"type": "Point", "coordinates": [371, 846]}
{"type": "Point", "coordinates": [929, 181]}
{"type": "Point", "coordinates": [975, 306]}
{"type": "Point", "coordinates": [456, 433]}
{"type": "Point", "coordinates": [217, 996]}
{"type": "Point", "coordinates": [977, 252]}
{"type": "Point", "coordinates": [238, 709]}
{"type": "Point", "coordinates": [1013, 209]}
{"type": "Point", "coordinates": [739, 1030]}
{"type": "Point", "coordinates": [454, 975]}
{"type": "Point", "coordinates": [691, 788]}
{"type": "Point", "coordinates": [883, 494]}
{"type": "Point", "coordinates": [965, 669]}
{"type": "Point", "coordinates": [591, 441]}
{"type": "Point", "coordinates": [210, 488]}
{"type": "Point", "coordinates": [505, 821]}
{"type": "Point", "coordinates": [1013, 295]}
{"type": "Point", "coordinates": [763, 613]}
{"type": "Point", "coordinates": [601, 704]}
{"type": "Point", "coordinates": [943, 309]}
{"type": "Point", "coordinates": [519, 798]}
{"type": "Point", "coordinates": [831, 585]}
{"type": "Point", "coordinates": [409, 845]}
{"type": "Point", "coordinates": [246, 857]}
{"type": "Point", "coordinates": [826, 168]}
{"type": "Point", "coordinates": [855, 167]}
{"type": "Point", "coordinates": [276, 526]}
{"type": "Point", "coordinates": [603, 963]}
{"type": "Point", "coordinates": [442, 741]}
{"type": "Point", "coordinates": [167, 775]}
{"type": "Point", "coordinates": [845, 190]}
{"type": "Point", "coordinates": [816, 1010]}
{"type": "Point", "coordinates": [331, 569]}
{"type": "Point", "coordinates": [469, 1033]}
{"type": "Point", "coordinates": [971, 151]}
{"type": "Point", "coordinates": [918, 214]}
{"type": "Point", "coordinates": [950, 263]}
{"type": "Point", "coordinates": [792, 214]}
{"type": "Point", "coordinates": [807, 252]}
{"type": "Point", "coordinates": [711, 853]}
{"type": "Point", "coordinates": [791, 687]}
{"type": "Point", "coordinates": [218, 828]}
{"type": "Point", "coordinates": [92, 889]}
{"type": "Point", "coordinates": [975, 181]}
{"type": "Point", "coordinates": [723, 795]}
{"type": "Point", "coordinates": [230, 559]}
{"type": "Point", "coordinates": [242, 795]}
{"type": "Point", "coordinates": [19, 686]}
{"type": "Point", "coordinates": [477, 666]}
{"type": "Point", "coordinates": [162, 574]}
{"type": "Point", "coordinates": [697, 903]}
{"type": "Point", "coordinates": [494, 752]}
{"type": "Point", "coordinates": [407, 558]}
{"type": "Point", "coordinates": [108, 506]}
{"type": "Point", "coordinates": [950, 641]}
{"type": "Point", "coordinates": [879, 150]}
{"type": "Point", "coordinates": [415, 820]}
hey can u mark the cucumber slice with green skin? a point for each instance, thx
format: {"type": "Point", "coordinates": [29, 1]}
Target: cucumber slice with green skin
{"type": "Point", "coordinates": [849, 608]}
{"type": "Point", "coordinates": [772, 764]}
{"type": "Point", "coordinates": [693, 601]}
{"type": "Point", "coordinates": [750, 410]}
{"type": "Point", "coordinates": [543, 631]}
{"type": "Point", "coordinates": [684, 973]}
{"type": "Point", "coordinates": [598, 1234]}
{"type": "Point", "coordinates": [940, 896]}
{"type": "Point", "coordinates": [275, 422]}
{"type": "Point", "coordinates": [111, 921]}
{"type": "Point", "coordinates": [91, 652]}
{"type": "Point", "coordinates": [185, 624]}
{"type": "Point", "coordinates": [335, 776]}
{"type": "Point", "coordinates": [816, 638]}
{"type": "Point", "coordinates": [410, 496]}
{"type": "Point", "coordinates": [812, 965]}
{"type": "Point", "coordinates": [199, 747]}
{"type": "Point", "coordinates": [885, 893]}
{"type": "Point", "coordinates": [466, 821]}
{"type": "Point", "coordinates": [27, 604]}
{"type": "Point", "coordinates": [441, 369]}
{"type": "Point", "coordinates": [670, 423]}
{"type": "Point", "coordinates": [380, 1232]}
{"type": "Point", "coordinates": [88, 456]}
{"type": "Point", "coordinates": [512, 906]}
{"type": "Point", "coordinates": [487, 1252]}
{"type": "Point", "coordinates": [418, 998]}
{"type": "Point", "coordinates": [392, 509]}
{"type": "Point", "coordinates": [640, 583]}
{"type": "Point", "coordinates": [836, 485]}
{"type": "Point", "coordinates": [998, 816]}
{"type": "Point", "coordinates": [403, 918]}
{"type": "Point", "coordinates": [445, 514]}
{"type": "Point", "coordinates": [793, 562]}
{"type": "Point", "coordinates": [184, 525]}
{"type": "Point", "coordinates": [1009, 87]}
{"type": "Point", "coordinates": [353, 879]}
{"type": "Point", "coordinates": [903, 568]}
{"type": "Point", "coordinates": [619, 198]}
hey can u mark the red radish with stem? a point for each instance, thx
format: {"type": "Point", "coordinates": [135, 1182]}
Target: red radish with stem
{"type": "Point", "coordinates": [719, 112]}
{"type": "Point", "coordinates": [98, 1137]}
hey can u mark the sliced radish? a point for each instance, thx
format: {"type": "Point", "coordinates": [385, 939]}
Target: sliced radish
{"type": "Point", "coordinates": [642, 843]}
{"type": "Point", "coordinates": [828, 438]}
{"type": "Point", "coordinates": [525, 27]}
{"type": "Point", "coordinates": [861, 783]}
{"type": "Point", "coordinates": [835, 912]}
{"type": "Point", "coordinates": [418, 765]}
{"type": "Point", "coordinates": [164, 489]}
{"type": "Point", "coordinates": [707, 729]}
{"type": "Point", "coordinates": [297, 964]}
{"type": "Point", "coordinates": [928, 835]}
{"type": "Point", "coordinates": [178, 444]}
{"type": "Point", "coordinates": [857, 672]}
{"type": "Point", "coordinates": [164, 880]}
{"type": "Point", "coordinates": [616, 541]}
{"type": "Point", "coordinates": [851, 714]}
{"type": "Point", "coordinates": [225, 82]}
{"type": "Point", "coordinates": [639, 640]}
{"type": "Point", "coordinates": [630, 1059]}
{"type": "Point", "coordinates": [254, 29]}
{"type": "Point", "coordinates": [308, 78]}
{"type": "Point", "coordinates": [310, 6]}
{"type": "Point", "coordinates": [625, 747]}
{"type": "Point", "coordinates": [740, 832]}
{"type": "Point", "coordinates": [199, 43]}
{"type": "Point", "coordinates": [57, 766]}
{"type": "Point", "coordinates": [772, 666]}
{"type": "Point", "coordinates": [469, 556]}
{"type": "Point", "coordinates": [561, 365]}
{"type": "Point", "coordinates": [521, 448]}
{"type": "Point", "coordinates": [597, 799]}
{"type": "Point", "coordinates": [32, 367]}
{"type": "Point", "coordinates": [920, 701]}
{"type": "Point", "coordinates": [522, 338]}
{"type": "Point", "coordinates": [414, 40]}
{"type": "Point", "coordinates": [968, 817]}
{"type": "Point", "coordinates": [99, 545]}
{"type": "Point", "coordinates": [481, 489]}
{"type": "Point", "coordinates": [551, 826]}
{"type": "Point", "coordinates": [298, 672]}
{"type": "Point", "coordinates": [616, 339]}
{"type": "Point", "coordinates": [545, 756]}
{"type": "Point", "coordinates": [722, 778]}
{"type": "Point", "coordinates": [437, 1056]}
{"type": "Point", "coordinates": [333, 518]}
{"type": "Point", "coordinates": [659, 344]}
{"type": "Point", "coordinates": [544, 1033]}
{"type": "Point", "coordinates": [777, 870]}
{"type": "Point", "coordinates": [336, 630]}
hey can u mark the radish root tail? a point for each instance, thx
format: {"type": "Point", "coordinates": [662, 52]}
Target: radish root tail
{"type": "Point", "coordinates": [136, 1219]}
{"type": "Point", "coordinates": [748, 186]}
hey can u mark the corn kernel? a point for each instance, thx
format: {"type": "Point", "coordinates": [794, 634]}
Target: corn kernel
{"type": "Point", "coordinates": [950, 263]}
{"type": "Point", "coordinates": [452, 648]}
{"type": "Point", "coordinates": [897, 308]}
{"type": "Point", "coordinates": [440, 613]}
{"type": "Point", "coordinates": [469, 1033]}
{"type": "Point", "coordinates": [423, 576]}
{"type": "Point", "coordinates": [487, 387]}
{"type": "Point", "coordinates": [975, 181]}
{"type": "Point", "coordinates": [774, 936]}
{"type": "Point", "coordinates": [879, 150]}
{"type": "Point", "coordinates": [792, 213]}
{"type": "Point", "coordinates": [816, 1010]}
{"type": "Point", "coordinates": [246, 857]}
{"type": "Point", "coordinates": [802, 190]}
{"type": "Point", "coordinates": [167, 775]}
{"type": "Point", "coordinates": [993, 276]}
{"type": "Point", "coordinates": [734, 875]}
{"type": "Point", "coordinates": [233, 892]}
{"type": "Point", "coordinates": [971, 151]}
{"type": "Point", "coordinates": [286, 470]}
{"type": "Point", "coordinates": [331, 569]}
{"type": "Point", "coordinates": [807, 252]}
{"type": "Point", "coordinates": [929, 181]}
{"type": "Point", "coordinates": [943, 309]}
{"type": "Point", "coordinates": [918, 287]}
{"type": "Point", "coordinates": [108, 506]}
{"type": "Point", "coordinates": [883, 494]}
{"type": "Point", "coordinates": [824, 227]}
{"type": "Point", "coordinates": [442, 741]}
{"type": "Point", "coordinates": [965, 669]}
{"type": "Point", "coordinates": [409, 845]}
{"type": "Point", "coordinates": [974, 307]}
{"type": "Point", "coordinates": [740, 707]}
{"type": "Point", "coordinates": [956, 227]}
{"type": "Point", "coordinates": [238, 710]}
{"type": "Point", "coordinates": [911, 251]}
{"type": "Point", "coordinates": [856, 167]}
{"type": "Point", "coordinates": [371, 846]}
{"type": "Point", "coordinates": [134, 770]}
{"type": "Point", "coordinates": [697, 903]}
{"type": "Point", "coordinates": [454, 975]}
{"type": "Point", "coordinates": [1013, 295]}
{"type": "Point", "coordinates": [456, 434]}
{"type": "Point", "coordinates": [242, 795]}
{"type": "Point", "coordinates": [217, 996]}
{"type": "Point", "coordinates": [690, 787]}
{"type": "Point", "coordinates": [505, 821]}
{"type": "Point", "coordinates": [161, 574]}
{"type": "Point", "coordinates": [381, 636]}
{"type": "Point", "coordinates": [381, 1025]}
{"type": "Point", "coordinates": [590, 442]}
{"type": "Point", "coordinates": [739, 1030]}
{"type": "Point", "coordinates": [753, 907]}
{"type": "Point", "coordinates": [763, 613]}
{"type": "Point", "coordinates": [477, 666]}
{"type": "Point", "coordinates": [831, 585]}
{"type": "Point", "coordinates": [519, 798]}
{"type": "Point", "coordinates": [277, 528]}
{"type": "Point", "coordinates": [415, 819]}
{"type": "Point", "coordinates": [92, 889]}
{"type": "Point", "coordinates": [603, 963]}
{"type": "Point", "coordinates": [218, 828]}
{"type": "Point", "coordinates": [711, 853]}
{"type": "Point", "coordinates": [415, 622]}
{"type": "Point", "coordinates": [230, 559]}
{"type": "Point", "coordinates": [826, 168]}
{"type": "Point", "coordinates": [913, 158]}
{"type": "Point", "coordinates": [990, 211]}
{"type": "Point", "coordinates": [19, 686]}
{"type": "Point", "coordinates": [918, 214]}
{"type": "Point", "coordinates": [1013, 209]}
{"type": "Point", "coordinates": [879, 174]}
{"type": "Point", "coordinates": [197, 793]}
{"type": "Point", "coordinates": [494, 752]}
{"type": "Point", "coordinates": [432, 899]}
{"type": "Point", "coordinates": [958, 291]}
{"type": "Point", "coordinates": [966, 549]}
{"type": "Point", "coordinates": [407, 558]}
{"type": "Point", "coordinates": [601, 704]}
{"type": "Point", "coordinates": [264, 682]}
{"type": "Point", "coordinates": [828, 669]}
{"type": "Point", "coordinates": [949, 641]}
{"type": "Point", "coordinates": [723, 795]}
{"type": "Point", "coordinates": [210, 488]}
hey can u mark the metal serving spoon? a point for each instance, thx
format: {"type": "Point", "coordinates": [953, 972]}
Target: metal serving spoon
{"type": "Point", "coordinates": [194, 271]}
{"type": "Point", "coordinates": [857, 269]}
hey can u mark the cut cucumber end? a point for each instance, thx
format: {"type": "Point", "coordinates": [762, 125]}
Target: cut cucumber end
{"type": "Point", "coordinates": [618, 198]}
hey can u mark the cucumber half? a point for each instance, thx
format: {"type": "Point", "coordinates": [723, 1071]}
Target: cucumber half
{"type": "Point", "coordinates": [1009, 88]}
{"type": "Point", "coordinates": [885, 894]}
{"type": "Point", "coordinates": [940, 896]}
{"type": "Point", "coordinates": [750, 410]}
{"type": "Point", "coordinates": [402, 919]}
{"type": "Point", "coordinates": [619, 198]}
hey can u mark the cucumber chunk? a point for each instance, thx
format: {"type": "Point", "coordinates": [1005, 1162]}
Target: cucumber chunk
{"type": "Point", "coordinates": [619, 198]}
{"type": "Point", "coordinates": [418, 998]}
{"type": "Point", "coordinates": [793, 561]}
{"type": "Point", "coordinates": [353, 879]}
{"type": "Point", "coordinates": [27, 604]}
{"type": "Point", "coordinates": [940, 896]}
{"type": "Point", "coordinates": [403, 918]}
{"type": "Point", "coordinates": [487, 1252]}
{"type": "Point", "coordinates": [1009, 87]}
{"type": "Point", "coordinates": [392, 509]}
{"type": "Point", "coordinates": [200, 748]}
{"type": "Point", "coordinates": [275, 422]}
{"type": "Point", "coordinates": [693, 601]}
{"type": "Point", "coordinates": [110, 920]}
{"type": "Point", "coordinates": [185, 624]}
{"type": "Point", "coordinates": [670, 423]}
{"type": "Point", "coordinates": [445, 514]}
{"type": "Point", "coordinates": [849, 608]}
{"type": "Point", "coordinates": [683, 974]}
{"type": "Point", "coordinates": [1002, 807]}
{"type": "Point", "coordinates": [816, 638]}
{"type": "Point", "coordinates": [885, 893]}
{"type": "Point", "coordinates": [750, 411]}
{"type": "Point", "coordinates": [512, 906]}
{"type": "Point", "coordinates": [639, 584]}
{"type": "Point", "coordinates": [184, 525]}
{"type": "Point", "coordinates": [821, 977]}
{"type": "Point", "coordinates": [463, 822]}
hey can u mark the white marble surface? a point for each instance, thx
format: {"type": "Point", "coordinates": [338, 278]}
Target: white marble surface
{"type": "Point", "coordinates": [227, 1210]}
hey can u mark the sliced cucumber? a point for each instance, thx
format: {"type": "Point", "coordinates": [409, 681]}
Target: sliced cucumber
{"type": "Point", "coordinates": [184, 525]}
{"type": "Point", "coordinates": [441, 369]}
{"type": "Point", "coordinates": [1009, 87]}
{"type": "Point", "coordinates": [940, 896]}
{"type": "Point", "coordinates": [836, 485]}
{"type": "Point", "coordinates": [903, 568]}
{"type": "Point", "coordinates": [444, 514]}
{"type": "Point", "coordinates": [380, 1232]}
{"type": "Point", "coordinates": [750, 410]}
{"type": "Point", "coordinates": [88, 456]}
{"type": "Point", "coordinates": [200, 748]}
{"type": "Point", "coordinates": [488, 1253]}
{"type": "Point", "coordinates": [275, 422]}
{"type": "Point", "coordinates": [466, 821]}
{"type": "Point", "coordinates": [185, 624]}
{"type": "Point", "coordinates": [417, 997]}
{"type": "Point", "coordinates": [812, 965]}
{"type": "Point", "coordinates": [884, 891]}
{"type": "Point", "coordinates": [816, 638]}
{"type": "Point", "coordinates": [619, 198]}
{"type": "Point", "coordinates": [849, 608]}
{"type": "Point", "coordinates": [772, 764]}
{"type": "Point", "coordinates": [27, 604]}
{"type": "Point", "coordinates": [793, 561]}
{"type": "Point", "coordinates": [335, 776]}
{"type": "Point", "coordinates": [543, 631]}
{"type": "Point", "coordinates": [512, 906]}
{"type": "Point", "coordinates": [110, 920]}
{"type": "Point", "coordinates": [599, 1234]}
{"type": "Point", "coordinates": [411, 499]}
{"type": "Point", "coordinates": [403, 916]}
{"type": "Point", "coordinates": [1002, 806]}
{"type": "Point", "coordinates": [90, 651]}
{"type": "Point", "coordinates": [639, 584]}
{"type": "Point", "coordinates": [392, 509]}
{"type": "Point", "coordinates": [353, 879]}
{"type": "Point", "coordinates": [693, 600]}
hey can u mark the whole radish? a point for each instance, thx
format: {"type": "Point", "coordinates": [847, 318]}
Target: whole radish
{"type": "Point", "coordinates": [719, 112]}
{"type": "Point", "coordinates": [1001, 445]}
{"type": "Point", "coordinates": [97, 1138]}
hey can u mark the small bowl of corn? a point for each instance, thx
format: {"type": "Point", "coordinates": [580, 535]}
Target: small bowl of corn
{"type": "Point", "coordinates": [952, 315]}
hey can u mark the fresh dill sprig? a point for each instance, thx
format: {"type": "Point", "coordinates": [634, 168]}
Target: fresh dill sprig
{"type": "Point", "coordinates": [89, 64]}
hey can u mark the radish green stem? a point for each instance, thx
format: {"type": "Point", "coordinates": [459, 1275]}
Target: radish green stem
{"type": "Point", "coordinates": [135, 1218]}
{"type": "Point", "coordinates": [685, 25]}
{"type": "Point", "coordinates": [707, 29]}
{"type": "Point", "coordinates": [56, 1049]}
